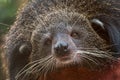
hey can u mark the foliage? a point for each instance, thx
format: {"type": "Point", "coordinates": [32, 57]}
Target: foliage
{"type": "Point", "coordinates": [7, 14]}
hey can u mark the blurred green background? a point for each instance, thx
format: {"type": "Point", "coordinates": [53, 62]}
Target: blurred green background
{"type": "Point", "coordinates": [8, 10]}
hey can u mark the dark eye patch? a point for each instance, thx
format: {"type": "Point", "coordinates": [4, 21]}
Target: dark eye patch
{"type": "Point", "coordinates": [75, 34]}
{"type": "Point", "coordinates": [47, 39]}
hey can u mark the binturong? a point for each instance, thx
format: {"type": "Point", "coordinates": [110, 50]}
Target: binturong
{"type": "Point", "coordinates": [65, 40]}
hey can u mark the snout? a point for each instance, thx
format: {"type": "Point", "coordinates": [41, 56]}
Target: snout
{"type": "Point", "coordinates": [61, 49]}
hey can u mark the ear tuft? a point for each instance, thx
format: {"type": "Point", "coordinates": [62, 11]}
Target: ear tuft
{"type": "Point", "coordinates": [25, 48]}
{"type": "Point", "coordinates": [97, 22]}
{"type": "Point", "coordinates": [100, 29]}
{"type": "Point", "coordinates": [112, 26]}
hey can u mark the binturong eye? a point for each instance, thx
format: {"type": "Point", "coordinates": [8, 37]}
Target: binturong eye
{"type": "Point", "coordinates": [99, 28]}
{"type": "Point", "coordinates": [75, 35]}
{"type": "Point", "coordinates": [48, 41]}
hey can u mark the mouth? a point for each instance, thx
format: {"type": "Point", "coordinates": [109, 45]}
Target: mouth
{"type": "Point", "coordinates": [84, 57]}
{"type": "Point", "coordinates": [66, 59]}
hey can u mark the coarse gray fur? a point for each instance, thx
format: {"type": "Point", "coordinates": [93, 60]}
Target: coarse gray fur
{"type": "Point", "coordinates": [43, 14]}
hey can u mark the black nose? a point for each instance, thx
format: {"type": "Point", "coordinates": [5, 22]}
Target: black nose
{"type": "Point", "coordinates": [61, 48]}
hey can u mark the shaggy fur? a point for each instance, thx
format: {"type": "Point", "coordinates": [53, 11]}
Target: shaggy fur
{"type": "Point", "coordinates": [22, 46]}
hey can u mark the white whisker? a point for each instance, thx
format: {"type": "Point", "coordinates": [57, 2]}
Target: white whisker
{"type": "Point", "coordinates": [32, 67]}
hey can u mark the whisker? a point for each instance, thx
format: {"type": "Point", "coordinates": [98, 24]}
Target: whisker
{"type": "Point", "coordinates": [87, 62]}
{"type": "Point", "coordinates": [90, 59]}
{"type": "Point", "coordinates": [48, 68]}
{"type": "Point", "coordinates": [96, 57]}
{"type": "Point", "coordinates": [29, 67]}
{"type": "Point", "coordinates": [86, 48]}
{"type": "Point", "coordinates": [106, 47]}
{"type": "Point", "coordinates": [39, 64]}
{"type": "Point", "coordinates": [24, 69]}
{"type": "Point", "coordinates": [100, 54]}
{"type": "Point", "coordinates": [109, 46]}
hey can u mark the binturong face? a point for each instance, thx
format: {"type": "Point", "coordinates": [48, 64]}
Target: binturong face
{"type": "Point", "coordinates": [65, 40]}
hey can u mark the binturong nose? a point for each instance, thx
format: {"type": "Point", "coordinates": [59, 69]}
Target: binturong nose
{"type": "Point", "coordinates": [61, 48]}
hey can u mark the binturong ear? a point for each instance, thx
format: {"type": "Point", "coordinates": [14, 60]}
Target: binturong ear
{"type": "Point", "coordinates": [100, 29]}
{"type": "Point", "coordinates": [109, 29]}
